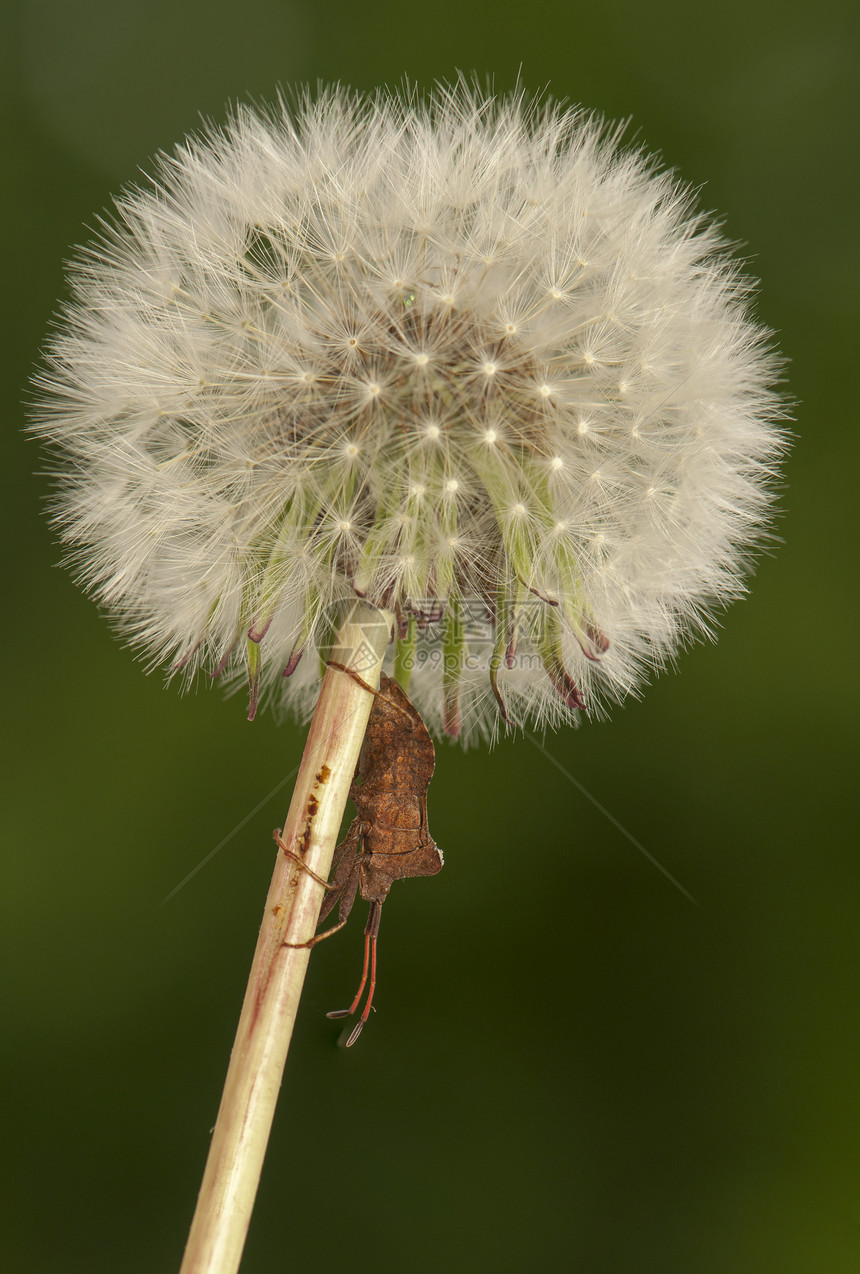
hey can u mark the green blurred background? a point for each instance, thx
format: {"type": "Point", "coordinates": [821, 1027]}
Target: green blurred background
{"type": "Point", "coordinates": [572, 1066]}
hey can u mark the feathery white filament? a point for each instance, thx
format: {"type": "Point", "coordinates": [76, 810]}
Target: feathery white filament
{"type": "Point", "coordinates": [464, 357]}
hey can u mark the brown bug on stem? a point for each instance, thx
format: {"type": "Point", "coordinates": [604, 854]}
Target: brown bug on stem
{"type": "Point", "coordinates": [389, 839]}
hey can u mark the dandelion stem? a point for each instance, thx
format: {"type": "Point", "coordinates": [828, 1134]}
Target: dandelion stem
{"type": "Point", "coordinates": [241, 1133]}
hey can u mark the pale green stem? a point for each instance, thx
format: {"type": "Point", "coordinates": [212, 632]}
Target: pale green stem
{"type": "Point", "coordinates": [292, 910]}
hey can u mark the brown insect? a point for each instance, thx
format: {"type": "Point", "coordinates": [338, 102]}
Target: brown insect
{"type": "Point", "coordinates": [389, 839]}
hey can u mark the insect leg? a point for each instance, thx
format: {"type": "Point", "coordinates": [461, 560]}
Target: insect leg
{"type": "Point", "coordinates": [318, 937]}
{"type": "Point", "coordinates": [341, 889]}
{"type": "Point", "coordinates": [297, 858]}
{"type": "Point", "coordinates": [331, 663]}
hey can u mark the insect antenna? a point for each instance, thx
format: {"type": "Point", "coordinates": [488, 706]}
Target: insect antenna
{"type": "Point", "coordinates": [371, 931]}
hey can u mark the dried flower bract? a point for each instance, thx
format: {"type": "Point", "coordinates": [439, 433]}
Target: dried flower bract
{"type": "Point", "coordinates": [463, 357]}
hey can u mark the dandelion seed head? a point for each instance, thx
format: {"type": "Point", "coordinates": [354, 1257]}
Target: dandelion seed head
{"type": "Point", "coordinates": [464, 357]}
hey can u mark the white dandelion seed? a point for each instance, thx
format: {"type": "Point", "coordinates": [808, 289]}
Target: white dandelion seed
{"type": "Point", "coordinates": [284, 347]}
